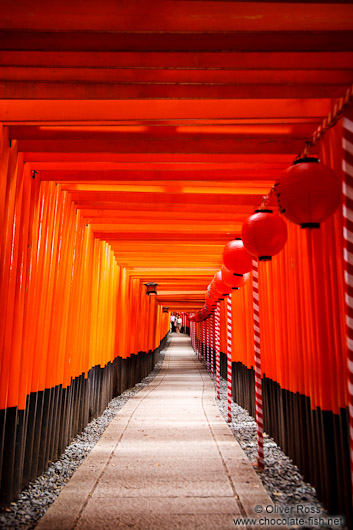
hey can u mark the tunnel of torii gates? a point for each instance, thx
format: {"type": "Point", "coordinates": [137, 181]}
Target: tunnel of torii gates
{"type": "Point", "coordinates": [136, 138]}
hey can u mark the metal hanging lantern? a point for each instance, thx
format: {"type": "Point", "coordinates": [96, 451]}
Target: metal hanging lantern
{"type": "Point", "coordinates": [151, 288]}
{"type": "Point", "coordinates": [165, 309]}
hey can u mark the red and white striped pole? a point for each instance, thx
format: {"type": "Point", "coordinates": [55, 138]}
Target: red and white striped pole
{"type": "Point", "coordinates": [218, 348]}
{"type": "Point", "coordinates": [207, 345]}
{"type": "Point", "coordinates": [195, 337]}
{"type": "Point", "coordinates": [348, 260]}
{"type": "Point", "coordinates": [204, 350]}
{"type": "Point", "coordinates": [258, 378]}
{"type": "Point", "coordinates": [212, 341]}
{"type": "Point", "coordinates": [199, 340]}
{"type": "Point", "coordinates": [196, 345]}
{"type": "Point", "coordinates": [229, 356]}
{"type": "Point", "coordinates": [192, 335]}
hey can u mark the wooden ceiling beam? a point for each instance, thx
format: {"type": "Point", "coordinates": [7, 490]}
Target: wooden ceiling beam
{"type": "Point", "coordinates": [61, 110]}
{"type": "Point", "coordinates": [190, 60]}
{"type": "Point", "coordinates": [167, 207]}
{"type": "Point", "coordinates": [172, 236]}
{"type": "Point", "coordinates": [149, 130]}
{"type": "Point", "coordinates": [115, 91]}
{"type": "Point", "coordinates": [165, 145]}
{"type": "Point", "coordinates": [113, 77]}
{"type": "Point", "coordinates": [164, 198]}
{"type": "Point", "coordinates": [137, 16]}
{"type": "Point", "coordinates": [280, 40]}
{"type": "Point", "coordinates": [195, 175]}
{"type": "Point", "coordinates": [103, 216]}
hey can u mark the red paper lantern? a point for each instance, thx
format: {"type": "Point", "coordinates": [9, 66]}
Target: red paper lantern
{"type": "Point", "coordinates": [206, 312]}
{"type": "Point", "coordinates": [235, 281]}
{"type": "Point", "coordinates": [220, 286]}
{"type": "Point", "coordinates": [308, 192]}
{"type": "Point", "coordinates": [264, 234]}
{"type": "Point", "coordinates": [214, 293]}
{"type": "Point", "coordinates": [210, 302]}
{"type": "Point", "coordinates": [236, 258]}
{"type": "Point", "coordinates": [210, 291]}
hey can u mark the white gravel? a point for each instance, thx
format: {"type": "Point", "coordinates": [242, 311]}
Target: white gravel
{"type": "Point", "coordinates": [281, 478]}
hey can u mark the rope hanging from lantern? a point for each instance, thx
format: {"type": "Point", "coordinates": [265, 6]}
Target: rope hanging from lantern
{"type": "Point", "coordinates": [200, 341]}
{"type": "Point", "coordinates": [192, 331]}
{"type": "Point", "coordinates": [258, 378]}
{"type": "Point", "coordinates": [193, 336]}
{"type": "Point", "coordinates": [208, 343]}
{"type": "Point", "coordinates": [348, 261]}
{"type": "Point", "coordinates": [212, 319]}
{"type": "Point", "coordinates": [218, 348]}
{"type": "Point", "coordinates": [229, 356]}
{"type": "Point", "coordinates": [204, 348]}
{"type": "Point", "coordinates": [196, 339]}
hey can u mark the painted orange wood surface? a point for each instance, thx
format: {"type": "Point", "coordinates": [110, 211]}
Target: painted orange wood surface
{"type": "Point", "coordinates": [152, 139]}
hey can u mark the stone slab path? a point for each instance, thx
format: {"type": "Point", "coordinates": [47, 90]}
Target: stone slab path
{"type": "Point", "coordinates": [167, 461]}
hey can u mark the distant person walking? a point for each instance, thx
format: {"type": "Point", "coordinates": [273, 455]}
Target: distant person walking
{"type": "Point", "coordinates": [179, 323]}
{"type": "Point", "coordinates": [172, 322]}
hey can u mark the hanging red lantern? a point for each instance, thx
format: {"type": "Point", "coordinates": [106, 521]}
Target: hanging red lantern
{"type": "Point", "coordinates": [236, 258]}
{"type": "Point", "coordinates": [214, 293]}
{"type": "Point", "coordinates": [210, 291]}
{"type": "Point", "coordinates": [210, 302]}
{"type": "Point", "coordinates": [264, 234]}
{"type": "Point", "coordinates": [197, 317]}
{"type": "Point", "coordinates": [206, 312]}
{"type": "Point", "coordinates": [235, 281]}
{"type": "Point", "coordinates": [308, 192]}
{"type": "Point", "coordinates": [220, 286]}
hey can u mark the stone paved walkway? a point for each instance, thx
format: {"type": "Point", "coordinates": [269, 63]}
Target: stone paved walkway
{"type": "Point", "coordinates": [167, 461]}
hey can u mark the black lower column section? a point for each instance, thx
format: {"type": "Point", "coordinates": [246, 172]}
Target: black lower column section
{"type": "Point", "coordinates": [316, 440]}
{"type": "Point", "coordinates": [31, 439]}
{"type": "Point", "coordinates": [8, 462]}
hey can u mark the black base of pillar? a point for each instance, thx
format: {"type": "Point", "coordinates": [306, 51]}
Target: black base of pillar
{"type": "Point", "coordinates": [30, 439]}
{"type": "Point", "coordinates": [316, 440]}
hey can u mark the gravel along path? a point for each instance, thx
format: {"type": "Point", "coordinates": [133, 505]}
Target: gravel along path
{"type": "Point", "coordinates": [281, 478]}
{"type": "Point", "coordinates": [34, 500]}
